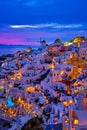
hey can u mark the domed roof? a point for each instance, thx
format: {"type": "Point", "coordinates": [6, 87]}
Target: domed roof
{"type": "Point", "coordinates": [57, 41]}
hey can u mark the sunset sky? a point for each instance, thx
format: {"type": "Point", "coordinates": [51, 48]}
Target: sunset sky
{"type": "Point", "coordinates": [25, 21]}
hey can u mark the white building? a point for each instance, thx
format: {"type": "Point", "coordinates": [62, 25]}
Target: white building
{"type": "Point", "coordinates": [83, 44]}
{"type": "Point", "coordinates": [55, 75]}
{"type": "Point", "coordinates": [83, 53]}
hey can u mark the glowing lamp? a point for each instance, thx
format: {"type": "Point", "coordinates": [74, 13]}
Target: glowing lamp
{"type": "Point", "coordinates": [75, 122]}
{"type": "Point", "coordinates": [62, 72]}
{"type": "Point", "coordinates": [47, 101]}
{"type": "Point", "coordinates": [67, 121]}
{"type": "Point", "coordinates": [76, 91]}
{"type": "Point", "coordinates": [14, 114]}
{"type": "Point", "coordinates": [52, 66]}
{"type": "Point", "coordinates": [68, 92]}
{"type": "Point", "coordinates": [30, 89]}
{"type": "Point", "coordinates": [65, 103]}
{"type": "Point", "coordinates": [0, 105]}
{"type": "Point", "coordinates": [71, 102]}
{"type": "Point", "coordinates": [71, 56]}
{"type": "Point", "coordinates": [19, 99]}
{"type": "Point", "coordinates": [80, 70]}
{"type": "Point", "coordinates": [26, 106]}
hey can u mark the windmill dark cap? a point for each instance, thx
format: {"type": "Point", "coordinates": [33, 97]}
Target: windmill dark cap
{"type": "Point", "coordinates": [57, 41]}
{"type": "Point", "coordinates": [42, 41]}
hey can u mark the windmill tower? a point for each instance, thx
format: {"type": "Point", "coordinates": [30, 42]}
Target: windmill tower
{"type": "Point", "coordinates": [42, 42]}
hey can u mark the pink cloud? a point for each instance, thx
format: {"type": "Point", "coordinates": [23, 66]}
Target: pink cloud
{"type": "Point", "coordinates": [32, 38]}
{"type": "Point", "coordinates": [16, 38]}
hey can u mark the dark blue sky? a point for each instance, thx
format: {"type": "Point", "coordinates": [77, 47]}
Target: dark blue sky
{"type": "Point", "coordinates": [49, 19]}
